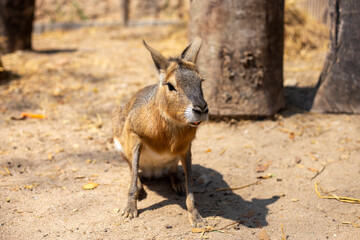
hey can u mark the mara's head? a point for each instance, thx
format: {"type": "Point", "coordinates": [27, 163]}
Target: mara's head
{"type": "Point", "coordinates": [180, 94]}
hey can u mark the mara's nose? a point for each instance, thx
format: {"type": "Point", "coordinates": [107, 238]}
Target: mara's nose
{"type": "Point", "coordinates": [203, 110]}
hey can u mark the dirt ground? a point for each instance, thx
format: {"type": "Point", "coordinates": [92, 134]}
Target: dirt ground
{"type": "Point", "coordinates": [77, 77]}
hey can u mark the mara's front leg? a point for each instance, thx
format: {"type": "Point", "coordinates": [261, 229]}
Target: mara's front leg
{"type": "Point", "coordinates": [130, 210]}
{"type": "Point", "coordinates": [194, 215]}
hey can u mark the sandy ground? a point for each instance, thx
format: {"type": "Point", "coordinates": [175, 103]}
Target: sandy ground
{"type": "Point", "coordinates": [77, 77]}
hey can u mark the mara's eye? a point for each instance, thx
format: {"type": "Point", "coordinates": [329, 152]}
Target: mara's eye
{"type": "Point", "coordinates": [170, 86]}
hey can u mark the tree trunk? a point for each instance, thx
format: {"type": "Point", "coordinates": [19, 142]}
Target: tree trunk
{"type": "Point", "coordinates": [125, 4]}
{"type": "Point", "coordinates": [241, 56]}
{"type": "Point", "coordinates": [16, 19]}
{"type": "Point", "coordinates": [338, 89]}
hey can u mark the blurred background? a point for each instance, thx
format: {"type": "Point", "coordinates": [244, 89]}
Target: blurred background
{"type": "Point", "coordinates": [65, 64]}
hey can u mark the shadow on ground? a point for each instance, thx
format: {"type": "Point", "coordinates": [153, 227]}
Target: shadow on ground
{"type": "Point", "coordinates": [54, 51]}
{"type": "Point", "coordinates": [226, 204]}
{"type": "Point", "coordinates": [300, 97]}
{"type": "Point", "coordinates": [7, 76]}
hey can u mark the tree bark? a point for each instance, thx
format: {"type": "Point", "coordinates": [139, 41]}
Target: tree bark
{"type": "Point", "coordinates": [125, 6]}
{"type": "Point", "coordinates": [241, 56]}
{"type": "Point", "coordinates": [16, 19]}
{"type": "Point", "coordinates": [338, 89]}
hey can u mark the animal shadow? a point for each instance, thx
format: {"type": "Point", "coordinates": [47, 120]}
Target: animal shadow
{"type": "Point", "coordinates": [226, 204]}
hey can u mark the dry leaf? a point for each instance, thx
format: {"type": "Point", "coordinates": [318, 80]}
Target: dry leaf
{"type": "Point", "coordinates": [291, 135]}
{"type": "Point", "coordinates": [222, 151]}
{"type": "Point", "coordinates": [59, 150]}
{"type": "Point", "coordinates": [262, 167]}
{"type": "Point", "coordinates": [115, 210]}
{"type": "Point", "coordinates": [30, 187]}
{"type": "Point", "coordinates": [198, 230]}
{"type": "Point", "coordinates": [50, 156]}
{"type": "Point", "coordinates": [90, 185]}
{"type": "Point", "coordinates": [207, 151]}
{"type": "Point", "coordinates": [33, 115]}
{"type": "Point", "coordinates": [300, 166]}
{"type": "Point", "coordinates": [313, 169]}
{"type": "Point", "coordinates": [265, 176]}
{"type": "Point", "coordinates": [294, 199]}
{"type": "Point", "coordinates": [263, 235]}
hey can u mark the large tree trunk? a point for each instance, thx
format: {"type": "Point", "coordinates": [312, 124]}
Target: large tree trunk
{"type": "Point", "coordinates": [241, 55]}
{"type": "Point", "coordinates": [16, 19]}
{"type": "Point", "coordinates": [338, 89]}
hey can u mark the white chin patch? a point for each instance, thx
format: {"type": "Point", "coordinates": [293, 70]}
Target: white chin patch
{"type": "Point", "coordinates": [118, 146]}
{"type": "Point", "coordinates": [189, 114]}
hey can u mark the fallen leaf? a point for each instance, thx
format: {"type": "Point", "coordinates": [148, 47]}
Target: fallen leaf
{"type": "Point", "coordinates": [75, 209]}
{"type": "Point", "coordinates": [262, 167]}
{"type": "Point", "coordinates": [294, 199]}
{"type": "Point", "coordinates": [90, 185]}
{"type": "Point", "coordinates": [300, 166]}
{"type": "Point", "coordinates": [314, 156]}
{"type": "Point", "coordinates": [115, 210]}
{"type": "Point", "coordinates": [198, 230]}
{"type": "Point", "coordinates": [59, 150]}
{"type": "Point", "coordinates": [50, 156]}
{"type": "Point", "coordinates": [8, 199]}
{"type": "Point", "coordinates": [33, 115]}
{"type": "Point", "coordinates": [30, 187]}
{"type": "Point", "coordinates": [266, 176]}
{"type": "Point", "coordinates": [222, 151]}
{"type": "Point", "coordinates": [208, 150]}
{"type": "Point", "coordinates": [313, 169]}
{"type": "Point", "coordinates": [291, 135]}
{"type": "Point", "coordinates": [263, 235]}
{"type": "Point", "coordinates": [297, 160]}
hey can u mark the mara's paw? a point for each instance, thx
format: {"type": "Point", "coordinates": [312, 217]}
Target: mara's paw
{"type": "Point", "coordinates": [196, 220]}
{"type": "Point", "coordinates": [130, 211]}
{"type": "Point", "coordinates": [177, 185]}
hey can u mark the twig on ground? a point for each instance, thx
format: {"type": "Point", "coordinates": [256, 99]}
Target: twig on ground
{"type": "Point", "coordinates": [318, 173]}
{"type": "Point", "coordinates": [333, 196]}
{"type": "Point", "coordinates": [236, 188]}
{"type": "Point", "coordinates": [351, 223]}
{"type": "Point", "coordinates": [283, 237]}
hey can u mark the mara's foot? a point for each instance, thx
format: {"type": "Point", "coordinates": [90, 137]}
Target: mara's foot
{"type": "Point", "coordinates": [177, 184]}
{"type": "Point", "coordinates": [130, 211]}
{"type": "Point", "coordinates": [195, 219]}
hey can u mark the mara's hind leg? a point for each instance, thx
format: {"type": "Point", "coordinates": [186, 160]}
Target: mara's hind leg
{"type": "Point", "coordinates": [177, 184]}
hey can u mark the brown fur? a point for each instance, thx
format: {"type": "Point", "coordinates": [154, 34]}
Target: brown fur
{"type": "Point", "coordinates": [154, 125]}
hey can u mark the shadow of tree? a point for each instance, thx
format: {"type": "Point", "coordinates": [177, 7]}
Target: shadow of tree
{"type": "Point", "coordinates": [226, 204]}
{"type": "Point", "coordinates": [55, 51]}
{"type": "Point", "coordinates": [7, 76]}
{"type": "Point", "coordinates": [300, 97]}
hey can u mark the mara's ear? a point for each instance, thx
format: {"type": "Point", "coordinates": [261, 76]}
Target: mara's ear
{"type": "Point", "coordinates": [190, 53]}
{"type": "Point", "coordinates": [161, 63]}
